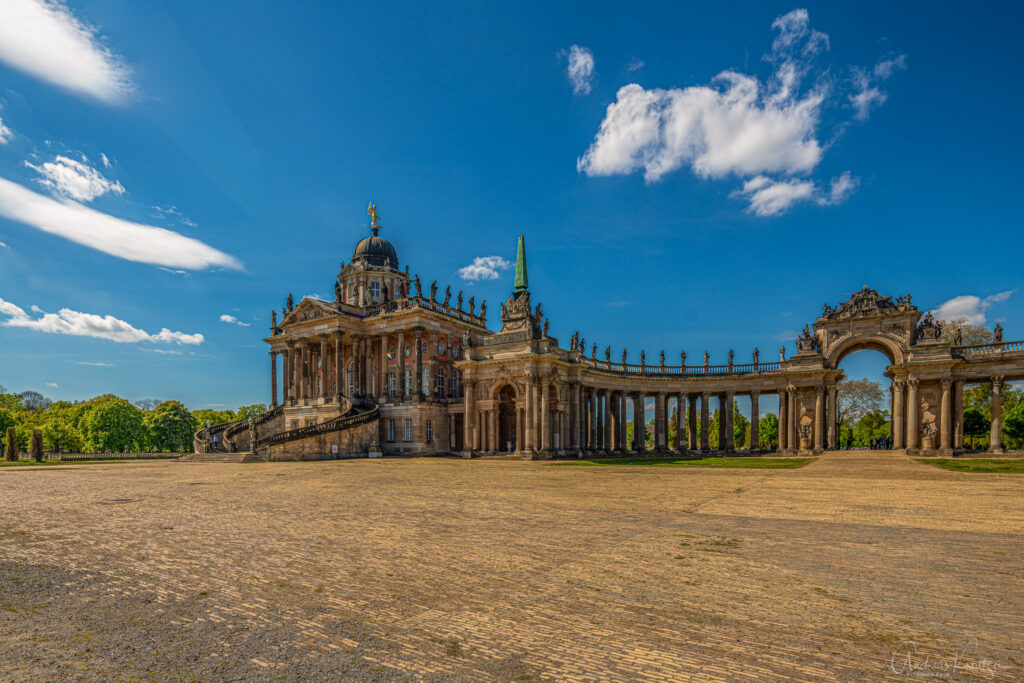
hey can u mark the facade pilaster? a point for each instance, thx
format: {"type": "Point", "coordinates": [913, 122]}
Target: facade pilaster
{"type": "Point", "coordinates": [545, 414]}
{"type": "Point", "coordinates": [339, 350]}
{"type": "Point", "coordinates": [323, 366]}
{"type": "Point", "coordinates": [417, 380]}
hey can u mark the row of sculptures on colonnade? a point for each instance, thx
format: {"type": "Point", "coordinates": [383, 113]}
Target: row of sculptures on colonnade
{"type": "Point", "coordinates": [578, 343]}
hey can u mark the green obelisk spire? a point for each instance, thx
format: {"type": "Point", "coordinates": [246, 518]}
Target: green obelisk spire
{"type": "Point", "coordinates": [522, 282]}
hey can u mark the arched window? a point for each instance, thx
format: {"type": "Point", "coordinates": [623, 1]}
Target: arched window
{"type": "Point", "coordinates": [408, 382]}
{"type": "Point", "coordinates": [351, 379]}
{"type": "Point", "coordinates": [392, 383]}
{"type": "Point", "coordinates": [442, 383]}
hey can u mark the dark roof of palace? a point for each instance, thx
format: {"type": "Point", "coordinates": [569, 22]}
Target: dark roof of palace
{"type": "Point", "coordinates": [376, 251]}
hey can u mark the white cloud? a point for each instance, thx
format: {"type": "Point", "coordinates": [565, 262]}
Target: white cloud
{"type": "Point", "coordinates": [3, 245]}
{"type": "Point", "coordinates": [92, 364]}
{"type": "Point", "coordinates": [581, 69]}
{"type": "Point", "coordinates": [635, 64]}
{"type": "Point", "coordinates": [969, 307]}
{"type": "Point", "coordinates": [738, 125]}
{"type": "Point", "coordinates": [52, 385]}
{"type": "Point", "coordinates": [105, 160]}
{"type": "Point", "coordinates": [484, 268]}
{"type": "Point", "coordinates": [172, 213]}
{"type": "Point", "coordinates": [225, 318]}
{"type": "Point", "coordinates": [44, 39]}
{"type": "Point", "coordinates": [5, 133]}
{"type": "Point", "coordinates": [78, 324]}
{"type": "Point", "coordinates": [114, 236]}
{"type": "Point", "coordinates": [769, 197]}
{"type": "Point", "coordinates": [867, 95]}
{"type": "Point", "coordinates": [75, 179]}
{"type": "Point", "coordinates": [165, 352]}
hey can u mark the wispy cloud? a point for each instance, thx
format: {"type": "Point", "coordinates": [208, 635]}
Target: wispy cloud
{"type": "Point", "coordinates": [6, 134]}
{"type": "Point", "coordinates": [484, 268]}
{"type": "Point", "coordinates": [580, 69]}
{"type": "Point", "coordinates": [868, 95]}
{"type": "Point", "coordinates": [735, 126]}
{"type": "Point", "coordinates": [75, 179]}
{"type": "Point", "coordinates": [103, 232]}
{"type": "Point", "coordinates": [970, 308]}
{"type": "Point", "coordinates": [635, 64]}
{"type": "Point", "coordinates": [172, 213]}
{"type": "Point", "coordinates": [93, 364]}
{"type": "Point", "coordinates": [3, 245]}
{"type": "Point", "coordinates": [226, 318]}
{"type": "Point", "coordinates": [78, 324]}
{"type": "Point", "coordinates": [45, 39]}
{"type": "Point", "coordinates": [52, 385]}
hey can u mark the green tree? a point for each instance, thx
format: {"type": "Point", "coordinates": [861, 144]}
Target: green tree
{"type": "Point", "coordinates": [975, 424]}
{"type": "Point", "coordinates": [215, 417]}
{"type": "Point", "coordinates": [35, 448]}
{"type": "Point", "coordinates": [171, 427]}
{"type": "Point", "coordinates": [115, 425]}
{"type": "Point", "coordinates": [12, 443]}
{"type": "Point", "coordinates": [858, 397]}
{"type": "Point", "coordinates": [6, 420]}
{"type": "Point", "coordinates": [1013, 426]}
{"type": "Point", "coordinates": [740, 427]}
{"type": "Point", "coordinates": [768, 432]}
{"type": "Point", "coordinates": [873, 425]}
{"type": "Point", "coordinates": [254, 410]}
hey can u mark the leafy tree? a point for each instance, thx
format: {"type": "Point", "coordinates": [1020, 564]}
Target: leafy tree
{"type": "Point", "coordinates": [254, 410]}
{"type": "Point", "coordinates": [768, 432]}
{"type": "Point", "coordinates": [171, 426]}
{"type": "Point", "coordinates": [33, 400]}
{"type": "Point", "coordinates": [971, 335]}
{"type": "Point", "coordinates": [6, 420]}
{"type": "Point", "coordinates": [147, 404]}
{"type": "Point", "coordinates": [115, 425]}
{"type": "Point", "coordinates": [873, 425]}
{"type": "Point", "coordinates": [740, 426]}
{"type": "Point", "coordinates": [215, 417]}
{"type": "Point", "coordinates": [975, 424]}
{"type": "Point", "coordinates": [35, 448]}
{"type": "Point", "coordinates": [858, 397]}
{"type": "Point", "coordinates": [1013, 426]}
{"type": "Point", "coordinates": [12, 443]}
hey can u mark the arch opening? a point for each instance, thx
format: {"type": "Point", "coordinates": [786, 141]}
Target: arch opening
{"type": "Point", "coordinates": [864, 398]}
{"type": "Point", "coordinates": [507, 432]}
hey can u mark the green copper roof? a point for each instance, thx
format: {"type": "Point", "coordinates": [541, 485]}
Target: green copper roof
{"type": "Point", "coordinates": [522, 283]}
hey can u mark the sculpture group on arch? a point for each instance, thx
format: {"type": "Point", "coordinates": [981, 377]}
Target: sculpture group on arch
{"type": "Point", "coordinates": [387, 369]}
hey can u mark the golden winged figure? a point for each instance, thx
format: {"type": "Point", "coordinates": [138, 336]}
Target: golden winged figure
{"type": "Point", "coordinates": [371, 211]}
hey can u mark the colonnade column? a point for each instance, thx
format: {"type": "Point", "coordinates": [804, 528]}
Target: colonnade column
{"type": "Point", "coordinates": [721, 422]}
{"type": "Point", "coordinates": [819, 418]}
{"type": "Point", "coordinates": [899, 429]}
{"type": "Point", "coordinates": [946, 415]}
{"type": "Point", "coordinates": [705, 443]}
{"type": "Point", "coordinates": [297, 371]}
{"type": "Point", "coordinates": [639, 426]}
{"type": "Point", "coordinates": [791, 437]}
{"type": "Point", "coordinates": [339, 387]}
{"type": "Point", "coordinates": [614, 426]}
{"type": "Point", "coordinates": [273, 379]}
{"type": "Point", "coordinates": [755, 423]}
{"type": "Point", "coordinates": [323, 366]}
{"type": "Point", "coordinates": [833, 419]}
{"type": "Point", "coordinates": [680, 422]}
{"type": "Point", "coordinates": [958, 415]}
{"type": "Point", "coordinates": [912, 417]}
{"type": "Point", "coordinates": [660, 422]}
{"type": "Point", "coordinates": [783, 432]}
{"type": "Point", "coordinates": [469, 415]}
{"type": "Point", "coordinates": [996, 433]}
{"type": "Point", "coordinates": [730, 416]}
{"type": "Point", "coordinates": [545, 415]}
{"type": "Point", "coordinates": [599, 422]}
{"type": "Point", "coordinates": [623, 443]}
{"type": "Point", "coordinates": [592, 421]}
{"type": "Point", "coordinates": [691, 422]}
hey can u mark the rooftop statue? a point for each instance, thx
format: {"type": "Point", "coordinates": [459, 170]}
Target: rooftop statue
{"type": "Point", "coordinates": [997, 334]}
{"type": "Point", "coordinates": [447, 294]}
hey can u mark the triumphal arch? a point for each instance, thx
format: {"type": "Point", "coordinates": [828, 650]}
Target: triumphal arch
{"type": "Point", "coordinates": [390, 366]}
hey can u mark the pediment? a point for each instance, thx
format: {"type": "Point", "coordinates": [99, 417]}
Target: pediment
{"type": "Point", "coordinates": [309, 309]}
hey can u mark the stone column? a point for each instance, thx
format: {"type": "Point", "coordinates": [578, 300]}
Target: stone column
{"type": "Point", "coordinates": [339, 382]}
{"type": "Point", "coordinates": [592, 420]}
{"type": "Point", "coordinates": [819, 418]}
{"type": "Point", "coordinates": [323, 366]}
{"type": "Point", "coordinates": [913, 421]}
{"type": "Point", "coordinates": [755, 423]}
{"type": "Point", "coordinates": [833, 424]}
{"type": "Point", "coordinates": [574, 407]}
{"type": "Point", "coordinates": [791, 435]}
{"type": "Point", "coordinates": [417, 381]}
{"type": "Point", "coordinates": [623, 415]}
{"type": "Point", "coordinates": [705, 423]}
{"type": "Point", "coordinates": [305, 374]}
{"type": "Point", "coordinates": [996, 433]}
{"type": "Point", "coordinates": [273, 379]}
{"type": "Point", "coordinates": [899, 428]}
{"type": "Point", "coordinates": [729, 417]}
{"type": "Point", "coordinates": [599, 395]}
{"type": "Point", "coordinates": [660, 422]}
{"type": "Point", "coordinates": [680, 444]}
{"type": "Point", "coordinates": [535, 441]}
{"type": "Point", "coordinates": [288, 375]}
{"type": "Point", "coordinates": [639, 423]}
{"type": "Point", "coordinates": [613, 420]}
{"type": "Point", "coordinates": [469, 418]}
{"type": "Point", "coordinates": [492, 431]}
{"type": "Point", "coordinates": [958, 415]}
{"type": "Point", "coordinates": [691, 422]}
{"type": "Point", "coordinates": [545, 414]}
{"type": "Point", "coordinates": [783, 417]}
{"type": "Point", "coordinates": [946, 418]}
{"type": "Point", "coordinates": [401, 368]}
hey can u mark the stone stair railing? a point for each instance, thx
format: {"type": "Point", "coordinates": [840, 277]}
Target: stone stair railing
{"type": "Point", "coordinates": [353, 418]}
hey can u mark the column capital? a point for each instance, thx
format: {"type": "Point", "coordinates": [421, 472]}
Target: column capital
{"type": "Point", "coordinates": [997, 384]}
{"type": "Point", "coordinates": [324, 336]}
{"type": "Point", "coordinates": [290, 343]}
{"type": "Point", "coordinates": [338, 334]}
{"type": "Point", "coordinates": [912, 382]}
{"type": "Point", "coordinates": [946, 383]}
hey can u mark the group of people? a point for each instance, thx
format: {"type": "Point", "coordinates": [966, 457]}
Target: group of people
{"type": "Point", "coordinates": [882, 444]}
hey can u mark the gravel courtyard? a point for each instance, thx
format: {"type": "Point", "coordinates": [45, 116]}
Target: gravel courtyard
{"type": "Point", "coordinates": [858, 566]}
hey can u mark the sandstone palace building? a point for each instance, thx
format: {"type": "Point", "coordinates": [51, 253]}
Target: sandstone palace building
{"type": "Point", "coordinates": [391, 366]}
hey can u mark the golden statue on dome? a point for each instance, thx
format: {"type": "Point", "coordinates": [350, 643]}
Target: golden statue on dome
{"type": "Point", "coordinates": [371, 211]}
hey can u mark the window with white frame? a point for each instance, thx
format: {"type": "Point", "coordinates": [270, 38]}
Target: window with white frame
{"type": "Point", "coordinates": [408, 429]}
{"type": "Point", "coordinates": [430, 431]}
{"type": "Point", "coordinates": [351, 379]}
{"type": "Point", "coordinates": [455, 383]}
{"type": "Point", "coordinates": [375, 290]}
{"type": "Point", "coordinates": [442, 382]}
{"type": "Point", "coordinates": [391, 430]}
{"type": "Point", "coordinates": [426, 381]}
{"type": "Point", "coordinates": [392, 383]}
{"type": "Point", "coordinates": [408, 382]}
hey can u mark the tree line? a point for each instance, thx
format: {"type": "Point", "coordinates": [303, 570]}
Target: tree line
{"type": "Point", "coordinates": [105, 423]}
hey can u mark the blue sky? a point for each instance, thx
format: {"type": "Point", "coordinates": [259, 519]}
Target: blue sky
{"type": "Point", "coordinates": [696, 177]}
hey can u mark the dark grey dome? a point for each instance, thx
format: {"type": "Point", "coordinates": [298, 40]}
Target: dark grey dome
{"type": "Point", "coordinates": [375, 251]}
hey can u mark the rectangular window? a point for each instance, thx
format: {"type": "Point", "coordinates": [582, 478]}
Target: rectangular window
{"type": "Point", "coordinates": [391, 430]}
{"type": "Point", "coordinates": [408, 429]}
{"type": "Point", "coordinates": [375, 290]}
{"type": "Point", "coordinates": [430, 431]}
